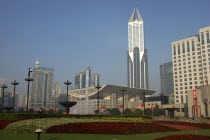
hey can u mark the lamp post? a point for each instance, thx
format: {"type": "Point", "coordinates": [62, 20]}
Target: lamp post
{"type": "Point", "coordinates": [67, 83]}
{"type": "Point", "coordinates": [98, 87]}
{"type": "Point", "coordinates": [123, 91]}
{"type": "Point", "coordinates": [205, 101]}
{"type": "Point", "coordinates": [14, 84]}
{"type": "Point", "coordinates": [2, 103]}
{"type": "Point", "coordinates": [38, 131]}
{"type": "Point", "coordinates": [29, 79]}
{"type": "Point", "coordinates": [144, 93]}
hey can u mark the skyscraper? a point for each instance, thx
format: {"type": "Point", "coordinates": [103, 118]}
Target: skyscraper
{"type": "Point", "coordinates": [87, 77]}
{"type": "Point", "coordinates": [166, 77]}
{"type": "Point", "coordinates": [95, 80]}
{"type": "Point", "coordinates": [191, 66]}
{"type": "Point", "coordinates": [80, 80]}
{"type": "Point", "coordinates": [137, 54]}
{"type": "Point", "coordinates": [42, 88]}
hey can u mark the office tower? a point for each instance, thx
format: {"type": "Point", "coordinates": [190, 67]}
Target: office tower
{"type": "Point", "coordinates": [95, 79]}
{"type": "Point", "coordinates": [80, 80]}
{"type": "Point", "coordinates": [42, 88]}
{"type": "Point", "coordinates": [87, 77]}
{"type": "Point", "coordinates": [190, 63]}
{"type": "Point", "coordinates": [166, 77]}
{"type": "Point", "coordinates": [137, 54]}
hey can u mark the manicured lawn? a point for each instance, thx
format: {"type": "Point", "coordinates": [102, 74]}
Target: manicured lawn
{"type": "Point", "coordinates": [8, 136]}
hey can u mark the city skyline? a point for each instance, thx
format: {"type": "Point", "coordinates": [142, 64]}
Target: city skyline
{"type": "Point", "coordinates": [31, 30]}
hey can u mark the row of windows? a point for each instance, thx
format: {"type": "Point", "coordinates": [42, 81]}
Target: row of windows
{"type": "Point", "coordinates": [190, 83]}
{"type": "Point", "coordinates": [181, 88]}
{"type": "Point", "coordinates": [179, 56]}
{"type": "Point", "coordinates": [184, 63]}
{"type": "Point", "coordinates": [201, 82]}
{"type": "Point", "coordinates": [184, 47]}
{"type": "Point", "coordinates": [207, 38]}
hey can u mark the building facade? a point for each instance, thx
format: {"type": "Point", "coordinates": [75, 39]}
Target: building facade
{"type": "Point", "coordinates": [42, 88]}
{"type": "Point", "coordinates": [166, 77]}
{"type": "Point", "coordinates": [190, 63]}
{"type": "Point", "coordinates": [137, 54]}
{"type": "Point", "coordinates": [110, 96]}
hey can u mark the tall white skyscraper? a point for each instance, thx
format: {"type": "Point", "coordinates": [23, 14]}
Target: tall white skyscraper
{"type": "Point", "coordinates": [137, 54]}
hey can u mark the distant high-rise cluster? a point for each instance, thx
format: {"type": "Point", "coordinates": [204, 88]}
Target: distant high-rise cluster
{"type": "Point", "coordinates": [191, 63]}
{"type": "Point", "coordinates": [86, 80]}
{"type": "Point", "coordinates": [137, 54]}
{"type": "Point", "coordinates": [42, 88]}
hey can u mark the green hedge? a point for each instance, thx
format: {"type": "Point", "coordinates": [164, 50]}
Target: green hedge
{"type": "Point", "coordinates": [23, 116]}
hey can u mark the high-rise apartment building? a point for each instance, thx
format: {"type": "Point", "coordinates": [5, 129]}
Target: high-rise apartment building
{"type": "Point", "coordinates": [137, 54]}
{"type": "Point", "coordinates": [42, 88]}
{"type": "Point", "coordinates": [191, 61]}
{"type": "Point", "coordinates": [95, 80]}
{"type": "Point", "coordinates": [166, 77]}
{"type": "Point", "coordinates": [80, 80]}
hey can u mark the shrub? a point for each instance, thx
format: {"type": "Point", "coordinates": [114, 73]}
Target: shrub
{"type": "Point", "coordinates": [22, 116]}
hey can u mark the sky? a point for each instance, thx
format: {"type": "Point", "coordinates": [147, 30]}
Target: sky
{"type": "Point", "coordinates": [68, 35]}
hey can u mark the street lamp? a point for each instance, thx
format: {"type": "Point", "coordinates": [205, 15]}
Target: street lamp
{"type": "Point", "coordinates": [67, 83]}
{"type": "Point", "coordinates": [38, 131]}
{"type": "Point", "coordinates": [144, 93]}
{"type": "Point", "coordinates": [205, 101]}
{"type": "Point", "coordinates": [2, 103]}
{"type": "Point", "coordinates": [28, 80]}
{"type": "Point", "coordinates": [14, 84]}
{"type": "Point", "coordinates": [123, 91]}
{"type": "Point", "coordinates": [98, 87]}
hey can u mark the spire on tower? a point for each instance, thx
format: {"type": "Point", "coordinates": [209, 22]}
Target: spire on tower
{"type": "Point", "coordinates": [135, 15]}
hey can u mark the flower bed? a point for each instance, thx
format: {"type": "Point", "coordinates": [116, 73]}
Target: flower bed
{"type": "Point", "coordinates": [184, 125]}
{"type": "Point", "coordinates": [184, 137]}
{"type": "Point", "coordinates": [109, 128]}
{"type": "Point", "coordinates": [29, 126]}
{"type": "Point", "coordinates": [4, 123]}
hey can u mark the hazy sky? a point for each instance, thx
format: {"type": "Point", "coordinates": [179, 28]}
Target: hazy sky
{"type": "Point", "coordinates": [69, 35]}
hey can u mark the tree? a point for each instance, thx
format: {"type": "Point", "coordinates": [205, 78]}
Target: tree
{"type": "Point", "coordinates": [137, 112]}
{"type": "Point", "coordinates": [157, 111]}
{"type": "Point", "coordinates": [31, 110]}
{"type": "Point", "coordinates": [107, 111]}
{"type": "Point", "coordinates": [50, 111]}
{"type": "Point", "coordinates": [21, 110]}
{"type": "Point", "coordinates": [127, 111]}
{"type": "Point", "coordinates": [115, 111]}
{"type": "Point", "coordinates": [148, 112]}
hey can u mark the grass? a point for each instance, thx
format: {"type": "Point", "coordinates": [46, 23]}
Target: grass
{"type": "Point", "coordinates": [4, 135]}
